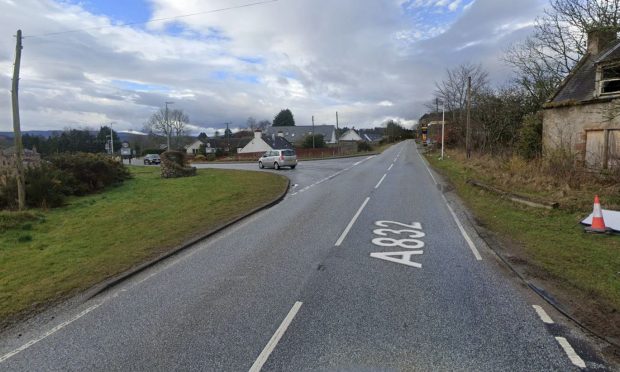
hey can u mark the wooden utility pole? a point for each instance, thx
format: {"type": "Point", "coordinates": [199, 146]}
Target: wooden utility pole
{"type": "Point", "coordinates": [312, 131]}
{"type": "Point", "coordinates": [337, 135]}
{"type": "Point", "coordinates": [468, 129]}
{"type": "Point", "coordinates": [17, 133]}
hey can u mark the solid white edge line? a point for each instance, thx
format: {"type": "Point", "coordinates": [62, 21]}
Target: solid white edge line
{"type": "Point", "coordinates": [470, 243]}
{"type": "Point", "coordinates": [346, 230]}
{"type": "Point", "coordinates": [543, 314]}
{"type": "Point", "coordinates": [271, 345]}
{"type": "Point", "coordinates": [390, 168]}
{"type": "Point", "coordinates": [380, 181]}
{"type": "Point", "coordinates": [572, 355]}
{"type": "Point", "coordinates": [48, 333]}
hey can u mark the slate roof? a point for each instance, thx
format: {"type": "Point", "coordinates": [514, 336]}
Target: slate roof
{"type": "Point", "coordinates": [221, 143]}
{"type": "Point", "coordinates": [276, 142]}
{"type": "Point", "coordinates": [299, 132]}
{"type": "Point", "coordinates": [371, 137]}
{"type": "Point", "coordinates": [579, 85]}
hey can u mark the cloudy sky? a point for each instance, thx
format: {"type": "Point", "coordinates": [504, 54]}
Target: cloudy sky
{"type": "Point", "coordinates": [370, 60]}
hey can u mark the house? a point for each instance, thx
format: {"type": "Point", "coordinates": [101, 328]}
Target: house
{"type": "Point", "coordinates": [263, 142]}
{"type": "Point", "coordinates": [211, 145]}
{"type": "Point", "coordinates": [583, 115]}
{"type": "Point", "coordinates": [194, 147]}
{"type": "Point", "coordinates": [371, 137]}
{"type": "Point", "coordinates": [296, 134]}
{"type": "Point", "coordinates": [351, 135]}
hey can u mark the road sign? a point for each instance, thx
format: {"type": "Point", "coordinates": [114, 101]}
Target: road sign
{"type": "Point", "coordinates": [125, 151]}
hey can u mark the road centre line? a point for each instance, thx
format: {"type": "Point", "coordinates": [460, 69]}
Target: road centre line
{"type": "Point", "coordinates": [543, 314]}
{"type": "Point", "coordinates": [380, 181]}
{"type": "Point", "coordinates": [48, 333]}
{"type": "Point", "coordinates": [391, 166]}
{"type": "Point", "coordinates": [572, 355]}
{"type": "Point", "coordinates": [273, 342]}
{"type": "Point", "coordinates": [346, 230]}
{"type": "Point", "coordinates": [331, 176]}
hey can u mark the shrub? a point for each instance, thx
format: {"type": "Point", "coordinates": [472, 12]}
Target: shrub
{"type": "Point", "coordinates": [200, 158]}
{"type": "Point", "coordinates": [529, 145]}
{"type": "Point", "coordinates": [211, 157]}
{"type": "Point", "coordinates": [363, 146]}
{"type": "Point", "coordinates": [87, 173]}
{"type": "Point", "coordinates": [319, 142]}
{"type": "Point", "coordinates": [45, 188]}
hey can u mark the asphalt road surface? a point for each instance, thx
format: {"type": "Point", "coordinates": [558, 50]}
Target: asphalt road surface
{"type": "Point", "coordinates": [364, 266]}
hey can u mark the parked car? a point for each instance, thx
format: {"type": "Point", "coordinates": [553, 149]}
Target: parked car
{"type": "Point", "coordinates": [152, 159]}
{"type": "Point", "coordinates": [277, 159]}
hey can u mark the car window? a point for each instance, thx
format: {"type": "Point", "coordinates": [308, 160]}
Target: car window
{"type": "Point", "coordinates": [288, 153]}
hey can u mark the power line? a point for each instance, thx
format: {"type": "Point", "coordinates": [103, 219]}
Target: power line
{"type": "Point", "coordinates": [154, 20]}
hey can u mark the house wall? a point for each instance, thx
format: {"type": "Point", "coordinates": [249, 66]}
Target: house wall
{"type": "Point", "coordinates": [256, 145]}
{"type": "Point", "coordinates": [568, 127]}
{"type": "Point", "coordinates": [194, 147]}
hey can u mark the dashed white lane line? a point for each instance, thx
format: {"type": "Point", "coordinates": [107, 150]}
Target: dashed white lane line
{"type": "Point", "coordinates": [572, 355]}
{"type": "Point", "coordinates": [271, 345]}
{"type": "Point", "coordinates": [346, 230]}
{"type": "Point", "coordinates": [48, 333]}
{"type": "Point", "coordinates": [330, 177]}
{"type": "Point", "coordinates": [543, 314]}
{"type": "Point", "coordinates": [391, 166]}
{"type": "Point", "coordinates": [380, 181]}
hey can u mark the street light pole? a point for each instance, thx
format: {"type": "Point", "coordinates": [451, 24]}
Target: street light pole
{"type": "Point", "coordinates": [168, 127]}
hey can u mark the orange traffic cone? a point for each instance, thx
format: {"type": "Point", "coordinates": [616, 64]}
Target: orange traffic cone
{"type": "Point", "coordinates": [598, 223]}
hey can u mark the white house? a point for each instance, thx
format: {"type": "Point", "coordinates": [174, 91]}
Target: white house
{"type": "Point", "coordinates": [296, 134]}
{"type": "Point", "coordinates": [194, 148]}
{"type": "Point", "coordinates": [262, 142]}
{"type": "Point", "coordinates": [351, 135]}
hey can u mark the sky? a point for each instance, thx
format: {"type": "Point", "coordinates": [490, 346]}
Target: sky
{"type": "Point", "coordinates": [368, 60]}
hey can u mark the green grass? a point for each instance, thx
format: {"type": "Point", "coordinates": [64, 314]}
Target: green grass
{"type": "Point", "coordinates": [49, 255]}
{"type": "Point", "coordinates": [552, 240]}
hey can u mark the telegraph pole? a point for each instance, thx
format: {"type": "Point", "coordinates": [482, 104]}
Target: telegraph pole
{"type": "Point", "coordinates": [312, 131]}
{"type": "Point", "coordinates": [468, 130]}
{"type": "Point", "coordinates": [111, 140]}
{"type": "Point", "coordinates": [19, 148]}
{"type": "Point", "coordinates": [337, 129]}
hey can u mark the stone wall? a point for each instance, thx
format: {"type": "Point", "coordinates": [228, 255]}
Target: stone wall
{"type": "Point", "coordinates": [173, 165]}
{"type": "Point", "coordinates": [566, 127]}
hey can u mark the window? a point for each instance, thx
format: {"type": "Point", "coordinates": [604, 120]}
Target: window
{"type": "Point", "coordinates": [610, 79]}
{"type": "Point", "coordinates": [288, 153]}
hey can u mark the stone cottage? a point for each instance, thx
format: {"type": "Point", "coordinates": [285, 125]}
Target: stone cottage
{"type": "Point", "coordinates": [583, 115]}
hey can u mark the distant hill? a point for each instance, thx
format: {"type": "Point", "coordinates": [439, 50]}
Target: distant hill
{"type": "Point", "coordinates": [124, 136]}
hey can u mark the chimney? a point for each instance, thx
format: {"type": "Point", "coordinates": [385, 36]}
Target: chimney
{"type": "Point", "coordinates": [599, 38]}
{"type": "Point", "coordinates": [258, 134]}
{"type": "Point", "coordinates": [280, 133]}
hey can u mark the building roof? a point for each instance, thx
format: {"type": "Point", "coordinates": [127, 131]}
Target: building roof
{"type": "Point", "coordinates": [371, 137]}
{"type": "Point", "coordinates": [299, 132]}
{"type": "Point", "coordinates": [276, 142]}
{"type": "Point", "coordinates": [579, 85]}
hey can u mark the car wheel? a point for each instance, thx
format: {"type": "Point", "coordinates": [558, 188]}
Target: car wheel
{"type": "Point", "coordinates": [293, 166]}
{"type": "Point", "coordinates": [276, 166]}
{"type": "Point", "coordinates": [260, 165]}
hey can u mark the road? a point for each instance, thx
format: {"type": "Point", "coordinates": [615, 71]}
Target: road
{"type": "Point", "coordinates": [313, 283]}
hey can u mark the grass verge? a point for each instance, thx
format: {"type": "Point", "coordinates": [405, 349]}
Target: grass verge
{"type": "Point", "coordinates": [550, 241]}
{"type": "Point", "coordinates": [49, 255]}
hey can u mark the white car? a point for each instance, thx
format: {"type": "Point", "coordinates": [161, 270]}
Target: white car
{"type": "Point", "coordinates": [277, 159]}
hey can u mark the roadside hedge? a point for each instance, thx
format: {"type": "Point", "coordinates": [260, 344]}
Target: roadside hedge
{"type": "Point", "coordinates": [48, 184]}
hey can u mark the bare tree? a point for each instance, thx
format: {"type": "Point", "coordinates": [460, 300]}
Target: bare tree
{"type": "Point", "coordinates": [452, 92]}
{"type": "Point", "coordinates": [558, 43]}
{"type": "Point", "coordinates": [171, 126]}
{"type": "Point", "coordinates": [251, 124]}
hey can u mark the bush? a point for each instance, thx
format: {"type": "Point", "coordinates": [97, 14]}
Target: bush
{"type": "Point", "coordinates": [363, 146]}
{"type": "Point", "coordinates": [200, 158]}
{"type": "Point", "coordinates": [45, 188]}
{"type": "Point", "coordinates": [211, 157]}
{"type": "Point", "coordinates": [529, 145]}
{"type": "Point", "coordinates": [319, 142]}
{"type": "Point", "coordinates": [87, 173]}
